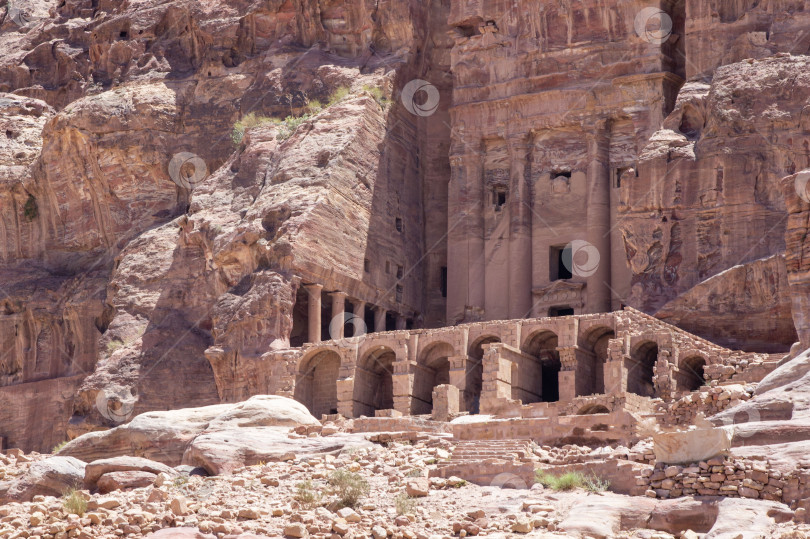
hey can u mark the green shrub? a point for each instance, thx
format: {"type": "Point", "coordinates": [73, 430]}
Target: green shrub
{"type": "Point", "coordinates": [30, 210]}
{"type": "Point", "coordinates": [566, 481]}
{"type": "Point", "coordinates": [405, 504]}
{"type": "Point", "coordinates": [338, 95]}
{"type": "Point", "coordinates": [248, 121]}
{"type": "Point", "coordinates": [349, 487]}
{"type": "Point", "coordinates": [58, 447]}
{"type": "Point", "coordinates": [306, 494]}
{"type": "Point", "coordinates": [416, 472]}
{"type": "Point", "coordinates": [572, 480]}
{"type": "Point", "coordinates": [74, 502]}
{"type": "Point", "coordinates": [378, 95]}
{"type": "Point", "coordinates": [593, 483]}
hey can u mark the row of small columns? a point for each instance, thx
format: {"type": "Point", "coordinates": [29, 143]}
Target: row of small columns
{"type": "Point", "coordinates": [339, 309]}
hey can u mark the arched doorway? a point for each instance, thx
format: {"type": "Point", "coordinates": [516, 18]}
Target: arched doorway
{"type": "Point", "coordinates": [316, 384]}
{"type": "Point", "coordinates": [690, 374]}
{"type": "Point", "coordinates": [475, 373]}
{"type": "Point", "coordinates": [591, 368]}
{"type": "Point", "coordinates": [641, 369]}
{"type": "Point", "coordinates": [542, 346]}
{"type": "Point", "coordinates": [432, 369]}
{"type": "Point", "coordinates": [373, 382]}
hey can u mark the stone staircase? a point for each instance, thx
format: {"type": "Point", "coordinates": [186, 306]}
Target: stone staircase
{"type": "Point", "coordinates": [503, 463]}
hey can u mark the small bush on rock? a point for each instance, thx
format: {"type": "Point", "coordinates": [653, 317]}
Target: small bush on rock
{"type": "Point", "coordinates": [594, 483]}
{"type": "Point", "coordinates": [349, 487]}
{"type": "Point", "coordinates": [572, 480]}
{"type": "Point", "coordinates": [306, 495]}
{"type": "Point", "coordinates": [73, 502]}
{"type": "Point", "coordinates": [58, 447]}
{"type": "Point", "coordinates": [405, 504]}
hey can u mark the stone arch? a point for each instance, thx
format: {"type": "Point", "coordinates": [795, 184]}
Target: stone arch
{"type": "Point", "coordinates": [690, 376]}
{"type": "Point", "coordinates": [432, 369]}
{"type": "Point", "coordinates": [316, 383]}
{"type": "Point", "coordinates": [591, 409]}
{"type": "Point", "coordinates": [640, 368]}
{"type": "Point", "coordinates": [542, 346]}
{"type": "Point", "coordinates": [591, 366]}
{"type": "Point", "coordinates": [475, 372]}
{"type": "Point", "coordinates": [374, 382]}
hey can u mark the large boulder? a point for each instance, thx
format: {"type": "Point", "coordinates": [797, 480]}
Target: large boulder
{"type": "Point", "coordinates": [49, 477]}
{"type": "Point", "coordinates": [219, 437]}
{"type": "Point", "coordinates": [159, 436]}
{"type": "Point", "coordinates": [223, 451]}
{"type": "Point", "coordinates": [98, 468]}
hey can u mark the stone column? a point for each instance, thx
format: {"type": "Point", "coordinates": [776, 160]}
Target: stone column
{"type": "Point", "coordinates": [338, 311]}
{"type": "Point", "coordinates": [568, 373]}
{"type": "Point", "coordinates": [403, 385]}
{"type": "Point", "coordinates": [458, 376]}
{"type": "Point", "coordinates": [359, 310]}
{"type": "Point", "coordinates": [379, 319]}
{"type": "Point", "coordinates": [402, 322]}
{"type": "Point", "coordinates": [520, 231]}
{"type": "Point", "coordinates": [465, 236]}
{"type": "Point", "coordinates": [598, 218]}
{"type": "Point", "coordinates": [314, 311]}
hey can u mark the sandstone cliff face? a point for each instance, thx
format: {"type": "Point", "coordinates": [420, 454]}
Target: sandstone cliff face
{"type": "Point", "coordinates": [707, 195]}
{"type": "Point", "coordinates": [135, 285]}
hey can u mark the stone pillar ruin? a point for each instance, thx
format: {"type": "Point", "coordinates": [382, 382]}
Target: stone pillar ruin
{"type": "Point", "coordinates": [568, 373]}
{"type": "Point", "coordinates": [446, 402]}
{"type": "Point", "coordinates": [314, 312]}
{"type": "Point", "coordinates": [338, 311]}
{"type": "Point", "coordinates": [520, 231]}
{"type": "Point", "coordinates": [403, 385]}
{"type": "Point", "coordinates": [497, 380]}
{"type": "Point", "coordinates": [458, 374]}
{"type": "Point", "coordinates": [598, 218]}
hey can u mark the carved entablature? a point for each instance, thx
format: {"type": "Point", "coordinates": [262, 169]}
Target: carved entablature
{"type": "Point", "coordinates": [498, 177]}
{"type": "Point", "coordinates": [558, 294]}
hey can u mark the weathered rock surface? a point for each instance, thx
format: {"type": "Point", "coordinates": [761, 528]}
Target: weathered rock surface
{"type": "Point", "coordinates": [94, 470]}
{"type": "Point", "coordinates": [219, 438]}
{"type": "Point", "coordinates": [723, 152]}
{"type": "Point", "coordinates": [49, 477]}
